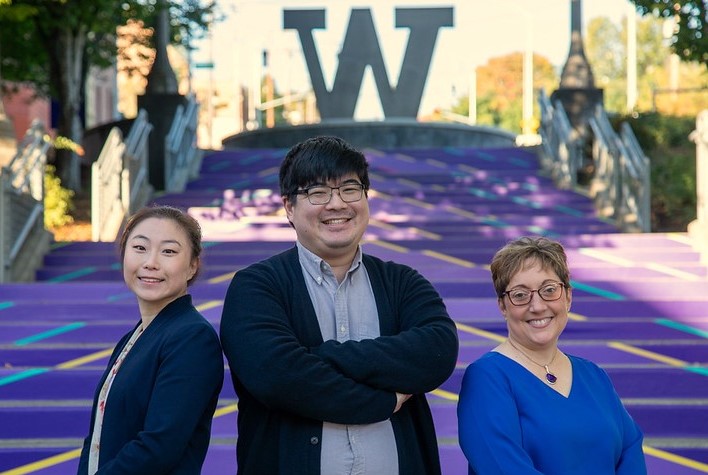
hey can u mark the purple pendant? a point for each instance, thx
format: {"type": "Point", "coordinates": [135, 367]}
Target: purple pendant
{"type": "Point", "coordinates": [551, 378]}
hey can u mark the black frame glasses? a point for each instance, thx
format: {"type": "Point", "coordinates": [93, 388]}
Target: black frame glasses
{"type": "Point", "coordinates": [322, 194]}
{"type": "Point", "coordinates": [549, 292]}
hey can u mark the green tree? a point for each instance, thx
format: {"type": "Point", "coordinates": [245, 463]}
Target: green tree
{"type": "Point", "coordinates": [689, 38]}
{"type": "Point", "coordinates": [54, 46]}
{"type": "Point", "coordinates": [606, 49]}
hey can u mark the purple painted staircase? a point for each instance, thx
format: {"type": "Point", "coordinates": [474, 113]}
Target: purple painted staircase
{"type": "Point", "coordinates": [639, 301]}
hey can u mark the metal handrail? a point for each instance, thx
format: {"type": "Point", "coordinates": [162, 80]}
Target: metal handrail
{"type": "Point", "coordinates": [561, 158]}
{"type": "Point", "coordinates": [621, 185]}
{"type": "Point", "coordinates": [182, 156]}
{"type": "Point", "coordinates": [119, 178]}
{"type": "Point", "coordinates": [22, 196]}
{"type": "Point", "coordinates": [107, 207]}
{"type": "Point", "coordinates": [698, 229]}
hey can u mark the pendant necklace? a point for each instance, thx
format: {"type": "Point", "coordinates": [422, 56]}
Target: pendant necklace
{"type": "Point", "coordinates": [550, 377]}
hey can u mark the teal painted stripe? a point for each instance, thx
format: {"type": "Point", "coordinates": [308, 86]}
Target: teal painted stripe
{"type": "Point", "coordinates": [697, 369]}
{"type": "Point", "coordinates": [525, 202]}
{"type": "Point", "coordinates": [271, 178]}
{"type": "Point", "coordinates": [123, 296]}
{"type": "Point", "coordinates": [23, 375]}
{"type": "Point", "coordinates": [542, 231]}
{"type": "Point", "coordinates": [73, 275]}
{"type": "Point", "coordinates": [567, 210]}
{"type": "Point", "coordinates": [522, 162]}
{"type": "Point", "coordinates": [207, 244]}
{"type": "Point", "coordinates": [219, 166]}
{"type": "Point", "coordinates": [238, 184]}
{"type": "Point", "coordinates": [49, 333]}
{"type": "Point", "coordinates": [493, 222]}
{"type": "Point", "coordinates": [4, 305]}
{"type": "Point", "coordinates": [483, 194]}
{"type": "Point", "coordinates": [487, 156]}
{"type": "Point", "coordinates": [116, 266]}
{"type": "Point", "coordinates": [530, 187]}
{"type": "Point", "coordinates": [454, 151]}
{"type": "Point", "coordinates": [681, 327]}
{"type": "Point", "coordinates": [597, 291]}
{"type": "Point", "coordinates": [251, 159]}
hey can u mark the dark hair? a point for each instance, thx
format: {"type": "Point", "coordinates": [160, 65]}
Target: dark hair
{"type": "Point", "coordinates": [189, 225]}
{"type": "Point", "coordinates": [511, 258]}
{"type": "Point", "coordinates": [318, 160]}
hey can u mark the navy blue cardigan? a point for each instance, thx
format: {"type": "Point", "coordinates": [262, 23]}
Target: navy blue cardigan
{"type": "Point", "coordinates": [159, 410]}
{"type": "Point", "coordinates": [288, 380]}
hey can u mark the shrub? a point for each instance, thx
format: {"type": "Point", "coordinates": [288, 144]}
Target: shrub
{"type": "Point", "coordinates": [672, 156]}
{"type": "Point", "coordinates": [57, 201]}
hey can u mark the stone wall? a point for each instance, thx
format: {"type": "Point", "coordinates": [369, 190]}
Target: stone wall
{"type": "Point", "coordinates": [390, 133]}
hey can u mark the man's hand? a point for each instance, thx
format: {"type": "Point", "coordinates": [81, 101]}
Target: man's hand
{"type": "Point", "coordinates": [400, 399]}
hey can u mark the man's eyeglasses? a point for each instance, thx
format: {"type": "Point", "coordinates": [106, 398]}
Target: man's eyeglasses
{"type": "Point", "coordinates": [549, 292]}
{"type": "Point", "coordinates": [322, 194]}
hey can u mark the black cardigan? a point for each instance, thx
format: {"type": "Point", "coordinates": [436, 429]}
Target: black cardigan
{"type": "Point", "coordinates": [288, 380]}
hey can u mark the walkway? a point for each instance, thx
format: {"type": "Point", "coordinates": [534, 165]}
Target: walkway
{"type": "Point", "coordinates": [639, 301]}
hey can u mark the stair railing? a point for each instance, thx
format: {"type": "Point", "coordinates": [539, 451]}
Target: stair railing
{"type": "Point", "coordinates": [698, 229]}
{"type": "Point", "coordinates": [621, 182]}
{"type": "Point", "coordinates": [22, 201]}
{"type": "Point", "coordinates": [107, 178]}
{"type": "Point", "coordinates": [182, 156]}
{"type": "Point", "coordinates": [119, 179]}
{"type": "Point", "coordinates": [137, 189]}
{"type": "Point", "coordinates": [561, 157]}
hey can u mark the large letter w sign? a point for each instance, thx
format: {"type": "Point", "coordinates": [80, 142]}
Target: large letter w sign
{"type": "Point", "coordinates": [361, 48]}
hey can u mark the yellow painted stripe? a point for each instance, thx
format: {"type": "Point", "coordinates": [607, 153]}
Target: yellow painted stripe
{"type": "Point", "coordinates": [450, 259]}
{"type": "Point", "coordinates": [85, 359]}
{"type": "Point", "coordinates": [670, 271]}
{"type": "Point", "coordinates": [381, 224]}
{"type": "Point", "coordinates": [411, 183]}
{"type": "Point", "coordinates": [269, 171]}
{"type": "Point", "coordinates": [445, 394]}
{"type": "Point", "coordinates": [222, 411]}
{"type": "Point", "coordinates": [647, 354]}
{"type": "Point", "coordinates": [428, 234]}
{"type": "Point", "coordinates": [391, 227]}
{"type": "Point", "coordinates": [576, 317]}
{"type": "Point", "coordinates": [686, 462]}
{"type": "Point", "coordinates": [461, 212]}
{"type": "Point", "coordinates": [390, 246]}
{"type": "Point", "coordinates": [602, 256]}
{"type": "Point", "coordinates": [44, 463]}
{"type": "Point", "coordinates": [478, 332]}
{"type": "Point", "coordinates": [467, 168]}
{"type": "Point", "coordinates": [422, 204]}
{"type": "Point", "coordinates": [209, 304]}
{"type": "Point", "coordinates": [438, 188]}
{"type": "Point", "coordinates": [436, 163]}
{"type": "Point", "coordinates": [405, 158]}
{"type": "Point", "coordinates": [72, 454]}
{"type": "Point", "coordinates": [221, 278]}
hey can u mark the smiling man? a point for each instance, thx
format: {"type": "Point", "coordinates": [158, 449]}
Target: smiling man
{"type": "Point", "coordinates": [332, 350]}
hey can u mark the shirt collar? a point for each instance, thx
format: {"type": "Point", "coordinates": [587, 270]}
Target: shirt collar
{"type": "Point", "coordinates": [317, 267]}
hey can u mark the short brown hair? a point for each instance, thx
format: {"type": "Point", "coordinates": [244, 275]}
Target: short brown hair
{"type": "Point", "coordinates": [511, 258]}
{"type": "Point", "coordinates": [188, 224]}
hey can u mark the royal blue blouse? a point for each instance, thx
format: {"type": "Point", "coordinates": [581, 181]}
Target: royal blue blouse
{"type": "Point", "coordinates": [511, 422]}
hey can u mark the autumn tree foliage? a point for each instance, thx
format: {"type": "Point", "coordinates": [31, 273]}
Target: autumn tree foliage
{"type": "Point", "coordinates": [500, 89]}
